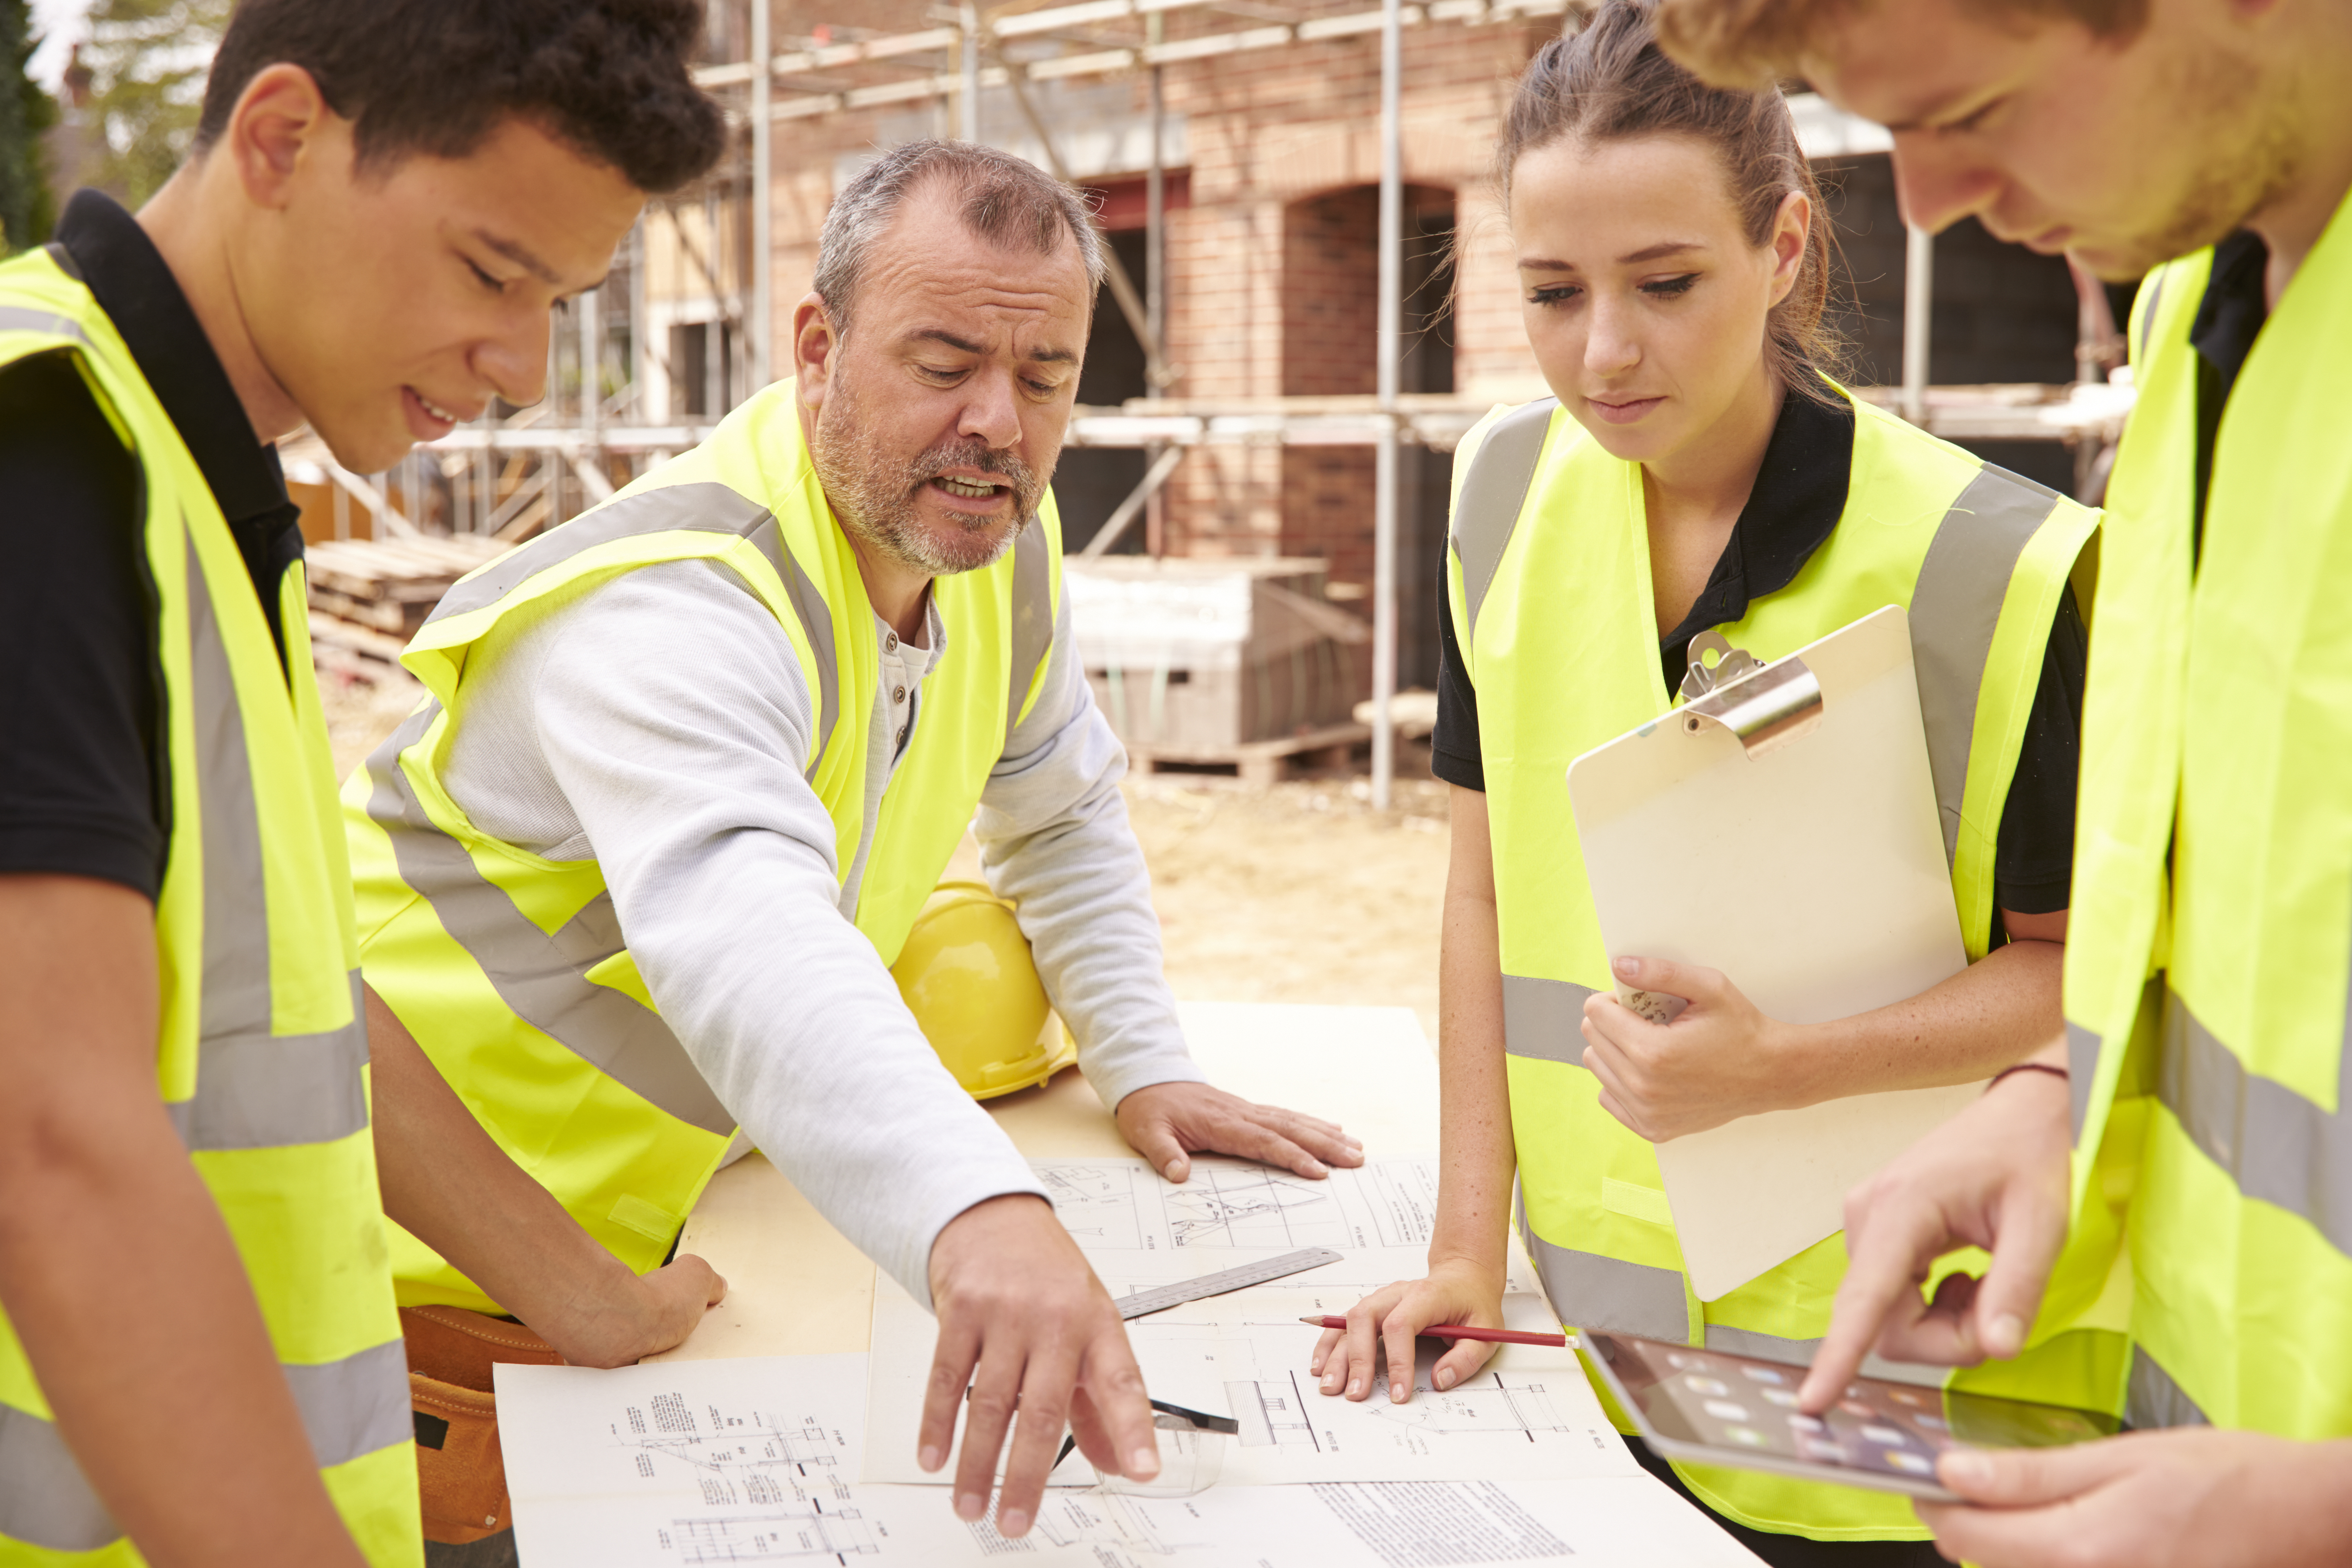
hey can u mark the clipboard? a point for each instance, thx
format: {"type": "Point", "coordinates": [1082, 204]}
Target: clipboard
{"type": "Point", "coordinates": [1781, 826]}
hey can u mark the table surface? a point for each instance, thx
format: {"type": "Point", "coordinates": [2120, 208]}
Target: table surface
{"type": "Point", "coordinates": [797, 1287]}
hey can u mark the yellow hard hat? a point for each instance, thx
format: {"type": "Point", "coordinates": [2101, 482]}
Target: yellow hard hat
{"type": "Point", "coordinates": [967, 976]}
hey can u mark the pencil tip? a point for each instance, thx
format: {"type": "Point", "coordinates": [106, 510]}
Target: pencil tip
{"type": "Point", "coordinates": [1312, 1322]}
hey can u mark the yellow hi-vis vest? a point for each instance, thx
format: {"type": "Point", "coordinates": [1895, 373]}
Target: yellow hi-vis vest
{"type": "Point", "coordinates": [511, 970]}
{"type": "Point", "coordinates": [2207, 1009]}
{"type": "Point", "coordinates": [262, 1055]}
{"type": "Point", "coordinates": [1549, 577]}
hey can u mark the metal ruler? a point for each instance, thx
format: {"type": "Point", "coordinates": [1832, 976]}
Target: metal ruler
{"type": "Point", "coordinates": [1161, 1297]}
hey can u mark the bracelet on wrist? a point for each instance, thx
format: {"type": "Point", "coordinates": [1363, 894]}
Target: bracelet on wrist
{"type": "Point", "coordinates": [2027, 1067]}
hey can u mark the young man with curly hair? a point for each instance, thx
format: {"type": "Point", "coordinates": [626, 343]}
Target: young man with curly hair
{"type": "Point", "coordinates": [2199, 1094]}
{"type": "Point", "coordinates": [200, 1362]}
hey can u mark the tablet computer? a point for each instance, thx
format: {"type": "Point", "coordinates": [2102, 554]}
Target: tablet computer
{"type": "Point", "coordinates": [1711, 1407]}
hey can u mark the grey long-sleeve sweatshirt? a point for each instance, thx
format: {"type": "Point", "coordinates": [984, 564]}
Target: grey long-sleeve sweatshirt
{"type": "Point", "coordinates": [660, 722]}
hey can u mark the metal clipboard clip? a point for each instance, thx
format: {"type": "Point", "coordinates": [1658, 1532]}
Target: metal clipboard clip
{"type": "Point", "coordinates": [1766, 706]}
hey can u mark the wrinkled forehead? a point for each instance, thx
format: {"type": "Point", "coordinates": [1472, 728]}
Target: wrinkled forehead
{"type": "Point", "coordinates": [930, 255]}
{"type": "Point", "coordinates": [981, 301]}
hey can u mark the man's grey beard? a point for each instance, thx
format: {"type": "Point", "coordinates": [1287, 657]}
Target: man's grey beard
{"type": "Point", "coordinates": [873, 496]}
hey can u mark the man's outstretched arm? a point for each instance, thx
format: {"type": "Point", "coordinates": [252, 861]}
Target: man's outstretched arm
{"type": "Point", "coordinates": [116, 1270]}
{"type": "Point", "coordinates": [666, 715]}
{"type": "Point", "coordinates": [1054, 838]}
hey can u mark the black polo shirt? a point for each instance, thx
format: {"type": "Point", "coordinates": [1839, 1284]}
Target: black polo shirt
{"type": "Point", "coordinates": [2229, 319]}
{"type": "Point", "coordinates": [1799, 497]}
{"type": "Point", "coordinates": [84, 770]}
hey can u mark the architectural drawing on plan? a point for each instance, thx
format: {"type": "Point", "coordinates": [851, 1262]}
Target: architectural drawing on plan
{"type": "Point", "coordinates": [1105, 1523]}
{"type": "Point", "coordinates": [805, 1536]}
{"type": "Point", "coordinates": [1272, 1413]}
{"type": "Point", "coordinates": [1096, 1201]}
{"type": "Point", "coordinates": [1254, 1206]}
{"type": "Point", "coordinates": [1121, 1212]}
{"type": "Point", "coordinates": [752, 1458]}
{"type": "Point", "coordinates": [1497, 1401]}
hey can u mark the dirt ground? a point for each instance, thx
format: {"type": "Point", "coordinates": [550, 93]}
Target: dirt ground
{"type": "Point", "coordinates": [1300, 892]}
{"type": "Point", "coordinates": [1297, 893]}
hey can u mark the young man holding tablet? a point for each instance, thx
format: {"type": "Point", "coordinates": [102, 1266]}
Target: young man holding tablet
{"type": "Point", "coordinates": [2207, 971]}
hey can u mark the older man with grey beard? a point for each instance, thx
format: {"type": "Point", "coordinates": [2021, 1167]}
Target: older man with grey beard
{"type": "Point", "coordinates": [722, 734]}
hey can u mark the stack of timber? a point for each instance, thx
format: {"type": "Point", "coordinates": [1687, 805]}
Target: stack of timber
{"type": "Point", "coordinates": [367, 596]}
{"type": "Point", "coordinates": [1223, 663]}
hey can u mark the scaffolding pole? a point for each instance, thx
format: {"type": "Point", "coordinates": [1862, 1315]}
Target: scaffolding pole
{"type": "Point", "coordinates": [1918, 320]}
{"type": "Point", "coordinates": [1390, 332]}
{"type": "Point", "coordinates": [592, 366]}
{"type": "Point", "coordinates": [1155, 280]}
{"type": "Point", "coordinates": [968, 20]}
{"type": "Point", "coordinates": [1155, 212]}
{"type": "Point", "coordinates": [761, 327]}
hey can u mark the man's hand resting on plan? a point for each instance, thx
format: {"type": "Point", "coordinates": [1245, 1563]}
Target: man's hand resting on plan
{"type": "Point", "coordinates": [1169, 1122]}
{"type": "Point", "coordinates": [1025, 1326]}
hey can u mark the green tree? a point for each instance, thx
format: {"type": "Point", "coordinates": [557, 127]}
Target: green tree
{"type": "Point", "coordinates": [148, 59]}
{"type": "Point", "coordinates": [26, 111]}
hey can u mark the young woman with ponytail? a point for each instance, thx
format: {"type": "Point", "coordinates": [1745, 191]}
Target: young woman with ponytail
{"type": "Point", "coordinates": [1700, 470]}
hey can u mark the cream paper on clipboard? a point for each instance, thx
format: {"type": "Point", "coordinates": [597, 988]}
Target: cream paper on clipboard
{"type": "Point", "coordinates": [1812, 874]}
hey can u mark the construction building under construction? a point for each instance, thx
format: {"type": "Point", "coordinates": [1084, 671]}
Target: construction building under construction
{"type": "Point", "coordinates": [1314, 298]}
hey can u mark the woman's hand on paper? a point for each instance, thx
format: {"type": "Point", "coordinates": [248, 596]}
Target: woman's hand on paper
{"type": "Point", "coordinates": [1347, 1360]}
{"type": "Point", "coordinates": [1024, 1325]}
{"type": "Point", "coordinates": [1994, 1176]}
{"type": "Point", "coordinates": [2186, 1498]}
{"type": "Point", "coordinates": [1720, 1059]}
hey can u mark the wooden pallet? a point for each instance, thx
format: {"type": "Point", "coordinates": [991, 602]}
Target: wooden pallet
{"type": "Point", "coordinates": [1258, 762]}
{"type": "Point", "coordinates": [368, 597]}
{"type": "Point", "coordinates": [390, 585]}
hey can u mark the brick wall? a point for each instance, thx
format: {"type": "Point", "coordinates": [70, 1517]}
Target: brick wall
{"type": "Point", "coordinates": [1274, 273]}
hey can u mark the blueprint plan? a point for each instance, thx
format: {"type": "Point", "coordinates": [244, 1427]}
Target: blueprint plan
{"type": "Point", "coordinates": [1529, 1413]}
{"type": "Point", "coordinates": [754, 1461]}
{"type": "Point", "coordinates": [1137, 1228]}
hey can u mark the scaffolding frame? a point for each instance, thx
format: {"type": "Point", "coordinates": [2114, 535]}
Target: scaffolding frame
{"type": "Point", "coordinates": [509, 476]}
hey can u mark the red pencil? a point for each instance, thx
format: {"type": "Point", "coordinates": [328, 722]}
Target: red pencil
{"type": "Point", "coordinates": [1461, 1332]}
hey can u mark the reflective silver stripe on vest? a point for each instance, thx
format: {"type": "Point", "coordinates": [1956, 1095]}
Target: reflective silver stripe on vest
{"type": "Point", "coordinates": [1543, 1019]}
{"type": "Point", "coordinates": [2081, 1064]}
{"type": "Point", "coordinates": [2140, 1064]}
{"type": "Point", "coordinates": [44, 1498]}
{"type": "Point", "coordinates": [1955, 610]}
{"type": "Point", "coordinates": [255, 1090]}
{"type": "Point", "coordinates": [543, 977]}
{"type": "Point", "coordinates": [1596, 1292]}
{"type": "Point", "coordinates": [1494, 492]}
{"type": "Point", "coordinates": [356, 1405]}
{"type": "Point", "coordinates": [2278, 1147]}
{"type": "Point", "coordinates": [1033, 617]}
{"type": "Point", "coordinates": [350, 1408]}
{"type": "Point", "coordinates": [1593, 1291]}
{"type": "Point", "coordinates": [704, 507]}
{"type": "Point", "coordinates": [2151, 1399]}
{"type": "Point", "coordinates": [2147, 316]}
{"type": "Point", "coordinates": [17, 318]}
